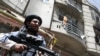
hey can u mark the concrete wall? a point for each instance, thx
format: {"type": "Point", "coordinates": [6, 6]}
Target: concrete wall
{"type": "Point", "coordinates": [18, 5]}
{"type": "Point", "coordinates": [88, 28]}
{"type": "Point", "coordinates": [42, 8]}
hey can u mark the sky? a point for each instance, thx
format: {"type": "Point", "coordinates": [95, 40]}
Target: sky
{"type": "Point", "coordinates": [95, 3]}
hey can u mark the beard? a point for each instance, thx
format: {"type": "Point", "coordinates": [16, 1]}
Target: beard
{"type": "Point", "coordinates": [34, 31]}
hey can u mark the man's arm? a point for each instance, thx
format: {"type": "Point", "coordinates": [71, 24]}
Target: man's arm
{"type": "Point", "coordinates": [8, 44]}
{"type": "Point", "coordinates": [5, 42]}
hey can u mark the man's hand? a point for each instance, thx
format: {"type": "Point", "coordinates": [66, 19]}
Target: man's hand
{"type": "Point", "coordinates": [19, 47]}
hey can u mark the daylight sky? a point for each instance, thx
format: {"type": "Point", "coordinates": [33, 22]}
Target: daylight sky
{"type": "Point", "coordinates": [96, 3]}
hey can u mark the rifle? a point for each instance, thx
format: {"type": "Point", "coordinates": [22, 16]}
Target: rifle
{"type": "Point", "coordinates": [31, 42]}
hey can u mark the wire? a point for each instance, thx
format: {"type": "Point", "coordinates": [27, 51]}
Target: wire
{"type": "Point", "coordinates": [96, 3]}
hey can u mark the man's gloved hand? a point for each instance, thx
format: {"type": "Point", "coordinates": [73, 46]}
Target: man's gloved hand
{"type": "Point", "coordinates": [19, 47]}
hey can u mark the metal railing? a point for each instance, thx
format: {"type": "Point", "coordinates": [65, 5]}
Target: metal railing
{"type": "Point", "coordinates": [73, 29]}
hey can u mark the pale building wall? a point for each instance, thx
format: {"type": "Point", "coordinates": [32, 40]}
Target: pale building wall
{"type": "Point", "coordinates": [18, 5]}
{"type": "Point", "coordinates": [42, 8]}
{"type": "Point", "coordinates": [88, 28]}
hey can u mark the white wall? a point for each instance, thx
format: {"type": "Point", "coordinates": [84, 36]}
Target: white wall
{"type": "Point", "coordinates": [57, 26]}
{"type": "Point", "coordinates": [17, 4]}
{"type": "Point", "coordinates": [43, 8]}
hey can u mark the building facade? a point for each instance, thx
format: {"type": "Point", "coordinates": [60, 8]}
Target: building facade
{"type": "Point", "coordinates": [74, 22]}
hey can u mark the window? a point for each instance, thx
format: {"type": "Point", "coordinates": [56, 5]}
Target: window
{"type": "Point", "coordinates": [60, 18]}
{"type": "Point", "coordinates": [97, 19]}
{"type": "Point", "coordinates": [97, 39]}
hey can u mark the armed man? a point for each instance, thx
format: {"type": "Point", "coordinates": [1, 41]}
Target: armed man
{"type": "Point", "coordinates": [21, 42]}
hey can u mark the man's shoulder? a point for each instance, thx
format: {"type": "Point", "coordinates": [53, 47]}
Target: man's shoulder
{"type": "Point", "coordinates": [14, 33]}
{"type": "Point", "coordinates": [9, 33]}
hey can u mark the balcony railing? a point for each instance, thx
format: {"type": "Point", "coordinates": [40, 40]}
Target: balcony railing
{"type": "Point", "coordinates": [74, 4]}
{"type": "Point", "coordinates": [73, 29]}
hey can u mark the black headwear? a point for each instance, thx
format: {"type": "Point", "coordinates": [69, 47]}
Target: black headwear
{"type": "Point", "coordinates": [30, 17]}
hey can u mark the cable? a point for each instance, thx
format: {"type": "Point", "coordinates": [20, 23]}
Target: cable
{"type": "Point", "coordinates": [96, 3]}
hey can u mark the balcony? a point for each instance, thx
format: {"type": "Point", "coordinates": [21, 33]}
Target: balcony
{"type": "Point", "coordinates": [73, 30]}
{"type": "Point", "coordinates": [74, 4]}
{"type": "Point", "coordinates": [68, 29]}
{"type": "Point", "coordinates": [72, 26]}
{"type": "Point", "coordinates": [69, 38]}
